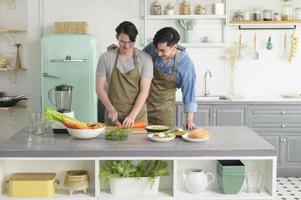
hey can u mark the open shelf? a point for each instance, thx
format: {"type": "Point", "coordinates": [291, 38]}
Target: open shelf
{"type": "Point", "coordinates": [208, 44]}
{"type": "Point", "coordinates": [163, 194]}
{"type": "Point", "coordinates": [13, 107]}
{"type": "Point", "coordinates": [173, 17]}
{"type": "Point", "coordinates": [279, 23]}
{"type": "Point", "coordinates": [218, 194]}
{"type": "Point", "coordinates": [61, 194]}
{"type": "Point", "coordinates": [5, 69]}
{"type": "Point", "coordinates": [5, 30]}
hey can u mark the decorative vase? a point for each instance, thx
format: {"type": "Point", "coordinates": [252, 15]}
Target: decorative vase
{"type": "Point", "coordinates": [187, 36]}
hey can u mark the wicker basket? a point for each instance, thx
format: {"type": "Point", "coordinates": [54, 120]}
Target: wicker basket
{"type": "Point", "coordinates": [71, 27]}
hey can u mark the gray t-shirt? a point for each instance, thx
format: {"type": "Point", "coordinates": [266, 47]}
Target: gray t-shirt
{"type": "Point", "coordinates": [107, 60]}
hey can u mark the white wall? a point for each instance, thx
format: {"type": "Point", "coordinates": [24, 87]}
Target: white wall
{"type": "Point", "coordinates": [268, 76]}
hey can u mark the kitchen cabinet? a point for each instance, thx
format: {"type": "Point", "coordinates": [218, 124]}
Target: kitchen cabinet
{"type": "Point", "coordinates": [200, 36]}
{"type": "Point", "coordinates": [281, 126]}
{"type": "Point", "coordinates": [215, 115]}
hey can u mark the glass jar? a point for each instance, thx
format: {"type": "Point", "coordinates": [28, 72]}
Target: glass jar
{"type": "Point", "coordinates": [247, 15]}
{"type": "Point", "coordinates": [256, 14]}
{"type": "Point", "coordinates": [238, 15]}
{"type": "Point", "coordinates": [277, 17]}
{"type": "Point", "coordinates": [185, 8]}
{"type": "Point", "coordinates": [200, 10]}
{"type": "Point", "coordinates": [156, 8]}
{"type": "Point", "coordinates": [267, 15]}
{"type": "Point", "coordinates": [287, 12]}
{"type": "Point", "coordinates": [298, 14]}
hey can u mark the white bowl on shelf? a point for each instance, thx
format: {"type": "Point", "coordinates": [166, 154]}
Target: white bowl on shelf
{"type": "Point", "coordinates": [86, 133]}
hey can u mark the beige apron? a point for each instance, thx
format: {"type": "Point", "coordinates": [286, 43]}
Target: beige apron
{"type": "Point", "coordinates": [124, 90]}
{"type": "Point", "coordinates": [162, 97]}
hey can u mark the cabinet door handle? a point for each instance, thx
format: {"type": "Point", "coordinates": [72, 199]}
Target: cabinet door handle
{"type": "Point", "coordinates": [282, 125]}
{"type": "Point", "coordinates": [282, 140]}
{"type": "Point", "coordinates": [49, 76]}
{"type": "Point", "coordinates": [282, 112]}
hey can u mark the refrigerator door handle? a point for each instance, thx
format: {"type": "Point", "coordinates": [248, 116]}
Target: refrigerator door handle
{"type": "Point", "coordinates": [50, 76]}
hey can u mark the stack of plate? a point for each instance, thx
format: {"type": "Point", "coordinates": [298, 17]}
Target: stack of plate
{"type": "Point", "coordinates": [230, 175]}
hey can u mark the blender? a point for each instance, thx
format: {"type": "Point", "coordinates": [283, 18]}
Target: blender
{"type": "Point", "coordinates": [62, 95]}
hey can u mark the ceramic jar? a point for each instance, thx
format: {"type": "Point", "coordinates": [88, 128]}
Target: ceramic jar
{"type": "Point", "coordinates": [169, 9]}
{"type": "Point", "coordinates": [196, 180]}
{"type": "Point", "coordinates": [77, 180]}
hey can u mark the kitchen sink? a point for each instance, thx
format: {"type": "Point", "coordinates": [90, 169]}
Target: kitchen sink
{"type": "Point", "coordinates": [212, 98]}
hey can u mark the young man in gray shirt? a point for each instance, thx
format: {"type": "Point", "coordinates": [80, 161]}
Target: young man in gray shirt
{"type": "Point", "coordinates": [123, 79]}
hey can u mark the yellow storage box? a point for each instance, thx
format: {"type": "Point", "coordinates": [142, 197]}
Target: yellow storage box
{"type": "Point", "coordinates": [32, 184]}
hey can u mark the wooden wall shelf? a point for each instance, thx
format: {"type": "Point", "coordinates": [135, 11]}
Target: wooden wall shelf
{"type": "Point", "coordinates": [13, 107]}
{"type": "Point", "coordinates": [4, 30]}
{"type": "Point", "coordinates": [284, 23]}
{"type": "Point", "coordinates": [11, 70]}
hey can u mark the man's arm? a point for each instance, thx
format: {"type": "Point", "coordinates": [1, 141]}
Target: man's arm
{"type": "Point", "coordinates": [103, 96]}
{"type": "Point", "coordinates": [141, 98]}
{"type": "Point", "coordinates": [188, 90]}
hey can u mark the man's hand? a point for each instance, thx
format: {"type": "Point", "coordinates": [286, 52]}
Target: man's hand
{"type": "Point", "coordinates": [113, 115]}
{"type": "Point", "coordinates": [189, 121]}
{"type": "Point", "coordinates": [190, 126]}
{"type": "Point", "coordinates": [112, 47]}
{"type": "Point", "coordinates": [128, 122]}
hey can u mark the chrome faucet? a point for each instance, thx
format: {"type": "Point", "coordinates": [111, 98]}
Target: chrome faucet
{"type": "Point", "coordinates": [207, 91]}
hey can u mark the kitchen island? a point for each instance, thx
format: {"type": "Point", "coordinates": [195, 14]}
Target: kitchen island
{"type": "Point", "coordinates": [62, 152]}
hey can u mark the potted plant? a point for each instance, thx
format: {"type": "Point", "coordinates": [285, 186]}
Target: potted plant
{"type": "Point", "coordinates": [187, 25]}
{"type": "Point", "coordinates": [126, 178]}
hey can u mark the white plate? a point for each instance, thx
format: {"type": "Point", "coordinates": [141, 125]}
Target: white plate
{"type": "Point", "coordinates": [157, 128]}
{"type": "Point", "coordinates": [185, 137]}
{"type": "Point", "coordinates": [158, 139]}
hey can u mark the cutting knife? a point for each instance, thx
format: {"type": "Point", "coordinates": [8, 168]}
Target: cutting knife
{"type": "Point", "coordinates": [117, 122]}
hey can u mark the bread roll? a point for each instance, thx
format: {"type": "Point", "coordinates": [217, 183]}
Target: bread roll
{"type": "Point", "coordinates": [198, 134]}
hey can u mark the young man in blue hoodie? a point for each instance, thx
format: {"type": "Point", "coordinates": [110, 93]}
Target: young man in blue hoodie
{"type": "Point", "coordinates": [173, 68]}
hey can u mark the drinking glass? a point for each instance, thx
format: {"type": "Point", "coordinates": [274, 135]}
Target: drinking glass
{"type": "Point", "coordinates": [255, 182]}
{"type": "Point", "coordinates": [32, 117]}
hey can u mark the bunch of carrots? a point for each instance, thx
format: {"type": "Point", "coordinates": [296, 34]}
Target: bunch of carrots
{"type": "Point", "coordinates": [73, 123]}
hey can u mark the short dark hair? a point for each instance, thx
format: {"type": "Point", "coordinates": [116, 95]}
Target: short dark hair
{"type": "Point", "coordinates": [167, 35]}
{"type": "Point", "coordinates": [127, 28]}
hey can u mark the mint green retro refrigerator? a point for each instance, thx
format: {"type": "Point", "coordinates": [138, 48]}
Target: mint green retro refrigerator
{"type": "Point", "coordinates": [72, 60]}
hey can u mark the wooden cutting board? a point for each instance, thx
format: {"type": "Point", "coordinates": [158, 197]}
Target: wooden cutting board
{"type": "Point", "coordinates": [133, 130]}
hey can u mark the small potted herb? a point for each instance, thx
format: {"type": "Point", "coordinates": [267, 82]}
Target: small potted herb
{"type": "Point", "coordinates": [126, 178]}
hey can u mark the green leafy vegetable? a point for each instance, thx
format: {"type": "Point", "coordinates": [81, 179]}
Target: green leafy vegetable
{"type": "Point", "coordinates": [125, 168]}
{"type": "Point", "coordinates": [117, 134]}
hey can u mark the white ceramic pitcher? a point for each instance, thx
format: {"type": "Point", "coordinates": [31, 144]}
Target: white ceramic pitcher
{"type": "Point", "coordinates": [196, 180]}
